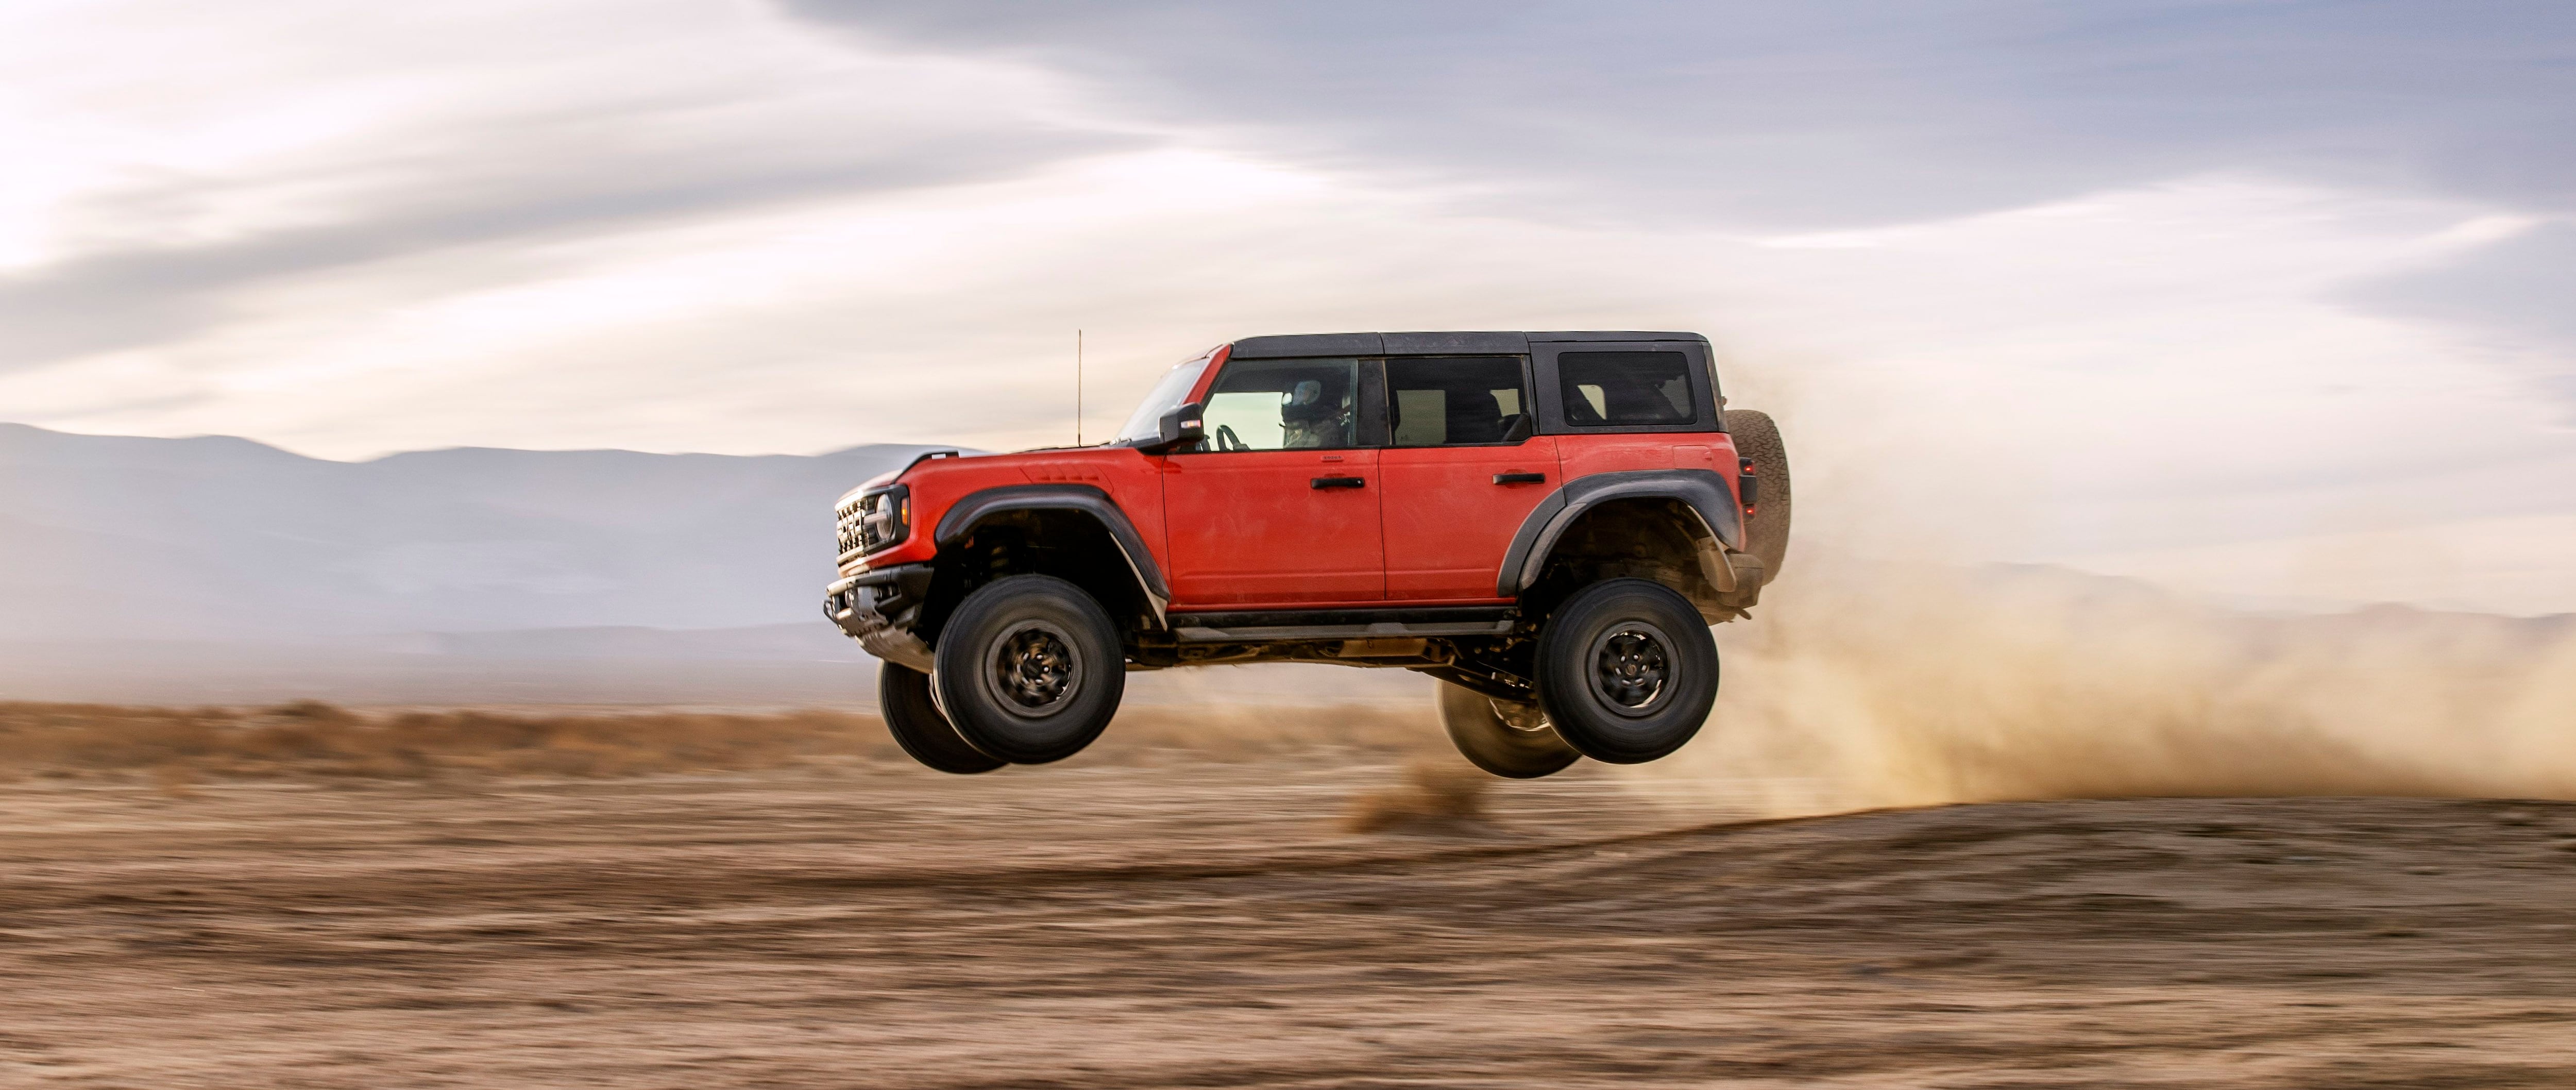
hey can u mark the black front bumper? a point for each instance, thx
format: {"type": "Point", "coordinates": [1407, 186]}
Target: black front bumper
{"type": "Point", "coordinates": [880, 610]}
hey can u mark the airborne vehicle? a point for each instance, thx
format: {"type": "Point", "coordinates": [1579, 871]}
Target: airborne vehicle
{"type": "Point", "coordinates": [1548, 523]}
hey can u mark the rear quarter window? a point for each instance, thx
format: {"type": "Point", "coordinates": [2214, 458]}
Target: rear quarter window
{"type": "Point", "coordinates": [1616, 389]}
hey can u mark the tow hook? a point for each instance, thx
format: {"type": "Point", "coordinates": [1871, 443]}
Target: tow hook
{"type": "Point", "coordinates": [1748, 484]}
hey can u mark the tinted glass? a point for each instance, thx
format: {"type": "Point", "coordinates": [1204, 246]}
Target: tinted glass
{"type": "Point", "coordinates": [1283, 405]}
{"type": "Point", "coordinates": [1616, 388]}
{"type": "Point", "coordinates": [1454, 401]}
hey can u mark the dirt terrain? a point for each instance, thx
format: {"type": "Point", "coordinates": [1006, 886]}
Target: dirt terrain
{"type": "Point", "coordinates": [1179, 923]}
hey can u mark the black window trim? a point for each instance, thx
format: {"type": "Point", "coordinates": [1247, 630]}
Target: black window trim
{"type": "Point", "coordinates": [1374, 431]}
{"type": "Point", "coordinates": [1551, 395]}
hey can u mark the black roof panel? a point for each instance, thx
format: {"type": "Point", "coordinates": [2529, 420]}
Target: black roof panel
{"type": "Point", "coordinates": [1310, 344]}
{"type": "Point", "coordinates": [1614, 335]}
{"type": "Point", "coordinates": [1429, 344]}
{"type": "Point", "coordinates": [1453, 344]}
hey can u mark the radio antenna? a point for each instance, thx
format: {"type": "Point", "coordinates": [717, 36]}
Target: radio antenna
{"type": "Point", "coordinates": [1077, 387]}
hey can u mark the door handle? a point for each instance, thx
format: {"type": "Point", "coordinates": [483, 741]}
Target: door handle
{"type": "Point", "coordinates": [1520, 478]}
{"type": "Point", "coordinates": [1340, 482]}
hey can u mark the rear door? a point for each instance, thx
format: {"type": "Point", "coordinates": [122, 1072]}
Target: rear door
{"type": "Point", "coordinates": [1462, 471]}
{"type": "Point", "coordinates": [1279, 507]}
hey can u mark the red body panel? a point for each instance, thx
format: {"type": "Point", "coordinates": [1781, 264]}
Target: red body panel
{"type": "Point", "coordinates": [1249, 529]}
{"type": "Point", "coordinates": [1133, 481]}
{"type": "Point", "coordinates": [1447, 522]}
{"type": "Point", "coordinates": [1715, 453]}
{"type": "Point", "coordinates": [1705, 452]}
{"type": "Point", "coordinates": [1584, 455]}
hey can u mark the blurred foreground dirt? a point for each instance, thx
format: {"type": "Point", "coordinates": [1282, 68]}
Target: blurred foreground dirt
{"type": "Point", "coordinates": [1205, 924]}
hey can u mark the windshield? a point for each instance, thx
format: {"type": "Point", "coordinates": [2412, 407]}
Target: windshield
{"type": "Point", "coordinates": [1146, 425]}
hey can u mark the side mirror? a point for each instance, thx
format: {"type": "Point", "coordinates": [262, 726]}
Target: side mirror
{"type": "Point", "coordinates": [1181, 427]}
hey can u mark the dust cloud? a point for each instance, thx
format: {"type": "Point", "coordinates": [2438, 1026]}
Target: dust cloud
{"type": "Point", "coordinates": [1865, 685]}
{"type": "Point", "coordinates": [1436, 796]}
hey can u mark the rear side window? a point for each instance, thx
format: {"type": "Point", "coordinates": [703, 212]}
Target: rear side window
{"type": "Point", "coordinates": [1283, 405]}
{"type": "Point", "coordinates": [1454, 401]}
{"type": "Point", "coordinates": [1612, 389]}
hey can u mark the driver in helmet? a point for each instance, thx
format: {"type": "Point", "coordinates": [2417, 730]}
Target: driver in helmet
{"type": "Point", "coordinates": [1309, 419]}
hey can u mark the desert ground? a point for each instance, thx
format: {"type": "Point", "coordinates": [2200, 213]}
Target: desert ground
{"type": "Point", "coordinates": [1357, 914]}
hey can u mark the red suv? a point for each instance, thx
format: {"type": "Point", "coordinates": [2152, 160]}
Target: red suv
{"type": "Point", "coordinates": [1546, 522]}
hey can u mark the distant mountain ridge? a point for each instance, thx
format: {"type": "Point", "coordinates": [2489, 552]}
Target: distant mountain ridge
{"type": "Point", "coordinates": [222, 538]}
{"type": "Point", "coordinates": [225, 571]}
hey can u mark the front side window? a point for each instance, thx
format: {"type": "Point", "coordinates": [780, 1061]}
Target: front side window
{"type": "Point", "coordinates": [1455, 401]}
{"type": "Point", "coordinates": [1283, 405]}
{"type": "Point", "coordinates": [1612, 389]}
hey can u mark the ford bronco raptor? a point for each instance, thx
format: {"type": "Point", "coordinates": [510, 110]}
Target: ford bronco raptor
{"type": "Point", "coordinates": [1546, 522]}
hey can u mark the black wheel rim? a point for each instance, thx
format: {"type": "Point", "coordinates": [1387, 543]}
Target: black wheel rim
{"type": "Point", "coordinates": [1035, 669]}
{"type": "Point", "coordinates": [1632, 669]}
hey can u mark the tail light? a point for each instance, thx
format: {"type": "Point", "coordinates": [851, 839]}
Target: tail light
{"type": "Point", "coordinates": [1748, 484]}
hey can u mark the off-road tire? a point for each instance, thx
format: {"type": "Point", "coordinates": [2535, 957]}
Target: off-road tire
{"type": "Point", "coordinates": [1029, 669]}
{"type": "Point", "coordinates": [1490, 743]}
{"type": "Point", "coordinates": [1766, 530]}
{"type": "Point", "coordinates": [903, 699]}
{"type": "Point", "coordinates": [1626, 671]}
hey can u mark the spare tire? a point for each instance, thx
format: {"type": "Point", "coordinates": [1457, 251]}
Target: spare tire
{"type": "Point", "coordinates": [1766, 530]}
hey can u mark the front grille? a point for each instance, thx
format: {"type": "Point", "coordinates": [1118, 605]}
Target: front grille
{"type": "Point", "coordinates": [873, 521]}
{"type": "Point", "coordinates": [853, 532]}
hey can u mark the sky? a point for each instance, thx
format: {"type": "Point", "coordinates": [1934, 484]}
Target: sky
{"type": "Point", "coordinates": [2268, 300]}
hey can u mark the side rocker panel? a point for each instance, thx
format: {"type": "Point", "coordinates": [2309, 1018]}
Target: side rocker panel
{"type": "Point", "coordinates": [1703, 491]}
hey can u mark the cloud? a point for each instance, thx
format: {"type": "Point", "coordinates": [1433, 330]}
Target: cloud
{"type": "Point", "coordinates": [680, 118]}
{"type": "Point", "coordinates": [1830, 113]}
{"type": "Point", "coordinates": [519, 192]}
{"type": "Point", "coordinates": [2518, 293]}
{"type": "Point", "coordinates": [1837, 117]}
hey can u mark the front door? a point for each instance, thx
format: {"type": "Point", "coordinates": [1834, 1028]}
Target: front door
{"type": "Point", "coordinates": [1279, 507]}
{"type": "Point", "coordinates": [1461, 472]}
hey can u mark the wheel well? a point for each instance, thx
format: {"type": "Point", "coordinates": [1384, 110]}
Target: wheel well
{"type": "Point", "coordinates": [1654, 539]}
{"type": "Point", "coordinates": [1068, 544]}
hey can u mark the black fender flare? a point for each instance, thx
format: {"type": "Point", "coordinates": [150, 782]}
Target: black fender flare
{"type": "Point", "coordinates": [1703, 491]}
{"type": "Point", "coordinates": [963, 516]}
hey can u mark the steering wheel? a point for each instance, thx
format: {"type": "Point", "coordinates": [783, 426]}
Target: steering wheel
{"type": "Point", "coordinates": [1226, 439]}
